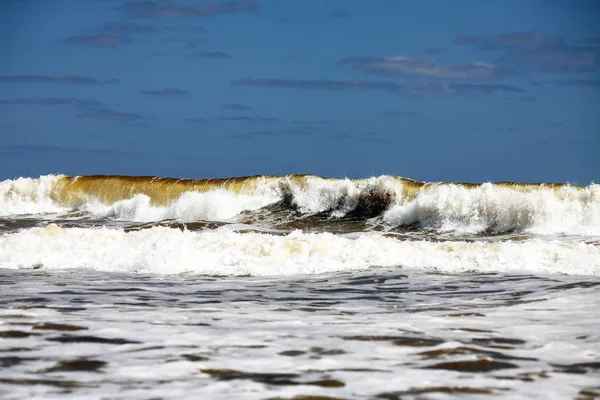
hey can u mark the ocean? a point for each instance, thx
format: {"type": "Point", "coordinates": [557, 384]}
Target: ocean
{"type": "Point", "coordinates": [298, 287]}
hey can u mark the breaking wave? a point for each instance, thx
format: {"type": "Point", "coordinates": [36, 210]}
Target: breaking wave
{"type": "Point", "coordinates": [222, 251]}
{"type": "Point", "coordinates": [393, 201]}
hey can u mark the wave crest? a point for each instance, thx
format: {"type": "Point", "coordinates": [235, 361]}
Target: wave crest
{"type": "Point", "coordinates": [394, 201]}
{"type": "Point", "coordinates": [498, 209]}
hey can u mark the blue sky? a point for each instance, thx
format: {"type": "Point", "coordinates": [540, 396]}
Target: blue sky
{"type": "Point", "coordinates": [452, 90]}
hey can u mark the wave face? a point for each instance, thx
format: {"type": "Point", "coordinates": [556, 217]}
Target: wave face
{"type": "Point", "coordinates": [225, 252]}
{"type": "Point", "coordinates": [386, 202]}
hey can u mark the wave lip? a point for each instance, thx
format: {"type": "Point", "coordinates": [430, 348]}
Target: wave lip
{"type": "Point", "coordinates": [161, 250]}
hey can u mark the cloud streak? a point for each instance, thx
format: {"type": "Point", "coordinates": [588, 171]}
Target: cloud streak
{"type": "Point", "coordinates": [558, 59]}
{"type": "Point", "coordinates": [110, 115]}
{"type": "Point", "coordinates": [111, 35]}
{"type": "Point", "coordinates": [364, 137]}
{"type": "Point", "coordinates": [400, 113]}
{"type": "Point", "coordinates": [245, 118]}
{"type": "Point", "coordinates": [199, 120]}
{"type": "Point", "coordinates": [127, 28]}
{"type": "Point", "coordinates": [52, 101]}
{"type": "Point", "coordinates": [272, 133]}
{"type": "Point", "coordinates": [536, 51]}
{"type": "Point", "coordinates": [170, 92]}
{"type": "Point", "coordinates": [173, 9]}
{"type": "Point", "coordinates": [579, 82]}
{"type": "Point", "coordinates": [105, 40]}
{"type": "Point", "coordinates": [402, 65]}
{"type": "Point", "coordinates": [506, 41]}
{"type": "Point", "coordinates": [214, 55]}
{"type": "Point", "coordinates": [237, 107]}
{"type": "Point", "coordinates": [26, 148]}
{"type": "Point", "coordinates": [58, 79]}
{"type": "Point", "coordinates": [22, 149]}
{"type": "Point", "coordinates": [528, 99]}
{"type": "Point", "coordinates": [307, 124]}
{"type": "Point", "coordinates": [411, 89]}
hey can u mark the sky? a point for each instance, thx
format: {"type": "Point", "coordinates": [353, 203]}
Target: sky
{"type": "Point", "coordinates": [444, 90]}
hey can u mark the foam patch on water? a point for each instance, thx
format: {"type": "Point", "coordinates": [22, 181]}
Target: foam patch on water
{"type": "Point", "coordinates": [224, 252]}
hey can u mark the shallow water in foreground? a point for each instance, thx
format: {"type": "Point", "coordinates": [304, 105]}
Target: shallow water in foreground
{"type": "Point", "coordinates": [375, 333]}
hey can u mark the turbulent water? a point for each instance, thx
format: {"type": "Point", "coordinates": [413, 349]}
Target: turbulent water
{"type": "Point", "coordinates": [298, 286]}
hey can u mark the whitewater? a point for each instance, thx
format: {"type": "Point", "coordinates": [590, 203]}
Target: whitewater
{"type": "Point", "coordinates": [298, 287]}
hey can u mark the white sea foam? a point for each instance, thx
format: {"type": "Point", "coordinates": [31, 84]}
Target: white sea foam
{"type": "Point", "coordinates": [216, 205]}
{"type": "Point", "coordinates": [340, 196]}
{"type": "Point", "coordinates": [564, 210]}
{"type": "Point", "coordinates": [28, 196]}
{"type": "Point", "coordinates": [224, 252]}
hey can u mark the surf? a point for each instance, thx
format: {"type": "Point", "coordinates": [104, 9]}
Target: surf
{"type": "Point", "coordinates": [226, 252]}
{"type": "Point", "coordinates": [390, 202]}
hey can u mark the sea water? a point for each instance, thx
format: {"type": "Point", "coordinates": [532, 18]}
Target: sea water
{"type": "Point", "coordinates": [298, 287]}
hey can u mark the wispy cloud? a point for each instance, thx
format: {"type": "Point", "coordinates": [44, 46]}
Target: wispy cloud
{"type": "Point", "coordinates": [104, 40]}
{"type": "Point", "coordinates": [110, 115]}
{"type": "Point", "coordinates": [400, 113]}
{"type": "Point", "coordinates": [213, 55]}
{"type": "Point", "coordinates": [173, 9]}
{"type": "Point", "coordinates": [23, 149]}
{"type": "Point", "coordinates": [560, 59]}
{"type": "Point", "coordinates": [317, 122]}
{"type": "Point", "coordinates": [412, 89]}
{"type": "Point", "coordinates": [170, 92]}
{"type": "Point", "coordinates": [61, 79]}
{"type": "Point", "coordinates": [237, 107]}
{"type": "Point", "coordinates": [504, 41]}
{"type": "Point", "coordinates": [528, 99]}
{"type": "Point", "coordinates": [402, 65]}
{"type": "Point", "coordinates": [111, 35]}
{"type": "Point", "coordinates": [201, 120]}
{"type": "Point", "coordinates": [593, 82]}
{"type": "Point", "coordinates": [364, 137]}
{"type": "Point", "coordinates": [244, 118]}
{"type": "Point", "coordinates": [579, 82]}
{"type": "Point", "coordinates": [28, 148]}
{"type": "Point", "coordinates": [537, 51]}
{"type": "Point", "coordinates": [272, 133]}
{"type": "Point", "coordinates": [128, 28]}
{"type": "Point", "coordinates": [540, 83]}
{"type": "Point", "coordinates": [52, 101]}
{"type": "Point", "coordinates": [193, 43]}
